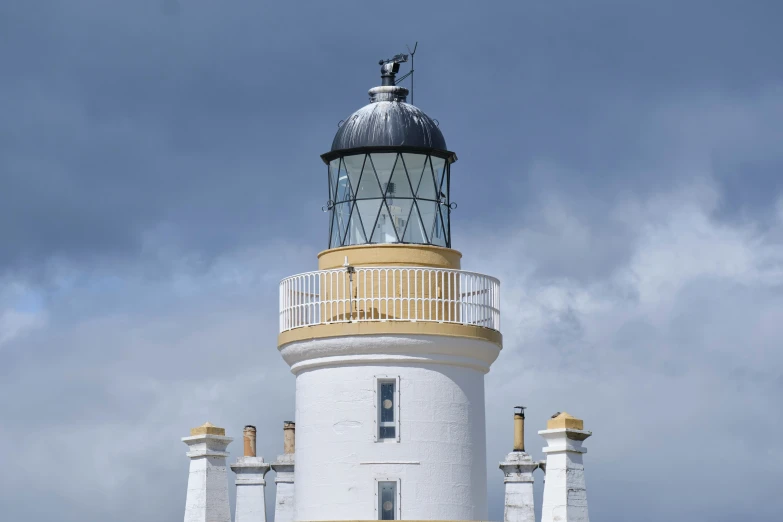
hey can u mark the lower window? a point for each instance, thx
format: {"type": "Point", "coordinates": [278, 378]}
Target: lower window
{"type": "Point", "coordinates": [387, 500]}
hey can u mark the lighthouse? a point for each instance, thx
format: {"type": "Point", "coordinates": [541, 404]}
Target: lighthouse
{"type": "Point", "coordinates": [389, 339]}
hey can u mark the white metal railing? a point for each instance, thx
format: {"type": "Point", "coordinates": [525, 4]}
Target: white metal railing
{"type": "Point", "coordinates": [354, 294]}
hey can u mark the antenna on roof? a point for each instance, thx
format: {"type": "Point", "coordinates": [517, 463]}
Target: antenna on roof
{"type": "Point", "coordinates": [409, 73]}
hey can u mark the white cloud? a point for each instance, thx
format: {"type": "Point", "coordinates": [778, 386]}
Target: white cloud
{"type": "Point", "coordinates": [643, 313]}
{"type": "Point", "coordinates": [672, 356]}
{"type": "Point", "coordinates": [14, 323]}
{"type": "Point", "coordinates": [20, 311]}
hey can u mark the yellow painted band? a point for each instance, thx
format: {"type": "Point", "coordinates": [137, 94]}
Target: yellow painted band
{"type": "Point", "coordinates": [390, 255]}
{"type": "Point", "coordinates": [390, 327]}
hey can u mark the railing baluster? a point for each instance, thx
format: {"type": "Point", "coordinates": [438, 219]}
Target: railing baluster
{"type": "Point", "coordinates": [389, 294]}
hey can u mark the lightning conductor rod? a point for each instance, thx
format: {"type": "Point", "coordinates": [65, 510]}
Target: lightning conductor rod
{"type": "Point", "coordinates": [412, 68]}
{"type": "Point", "coordinates": [404, 58]}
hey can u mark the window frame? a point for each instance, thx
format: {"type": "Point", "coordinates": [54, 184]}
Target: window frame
{"type": "Point", "coordinates": [377, 381]}
{"type": "Point", "coordinates": [397, 495]}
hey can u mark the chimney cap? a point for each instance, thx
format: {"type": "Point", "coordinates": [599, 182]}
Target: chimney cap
{"type": "Point", "coordinates": [207, 429]}
{"type": "Point", "coordinates": [565, 420]}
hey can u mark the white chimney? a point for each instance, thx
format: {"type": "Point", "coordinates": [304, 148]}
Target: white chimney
{"type": "Point", "coordinates": [518, 476]}
{"type": "Point", "coordinates": [284, 476]}
{"type": "Point", "coordinates": [251, 486]}
{"type": "Point", "coordinates": [565, 496]}
{"type": "Point", "coordinates": [207, 496]}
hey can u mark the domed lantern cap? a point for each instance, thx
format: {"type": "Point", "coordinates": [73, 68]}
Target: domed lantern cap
{"type": "Point", "coordinates": [389, 123]}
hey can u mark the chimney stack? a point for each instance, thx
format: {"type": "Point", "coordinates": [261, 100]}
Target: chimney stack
{"type": "Point", "coordinates": [249, 435]}
{"type": "Point", "coordinates": [284, 475]}
{"type": "Point", "coordinates": [250, 481]}
{"type": "Point", "coordinates": [207, 494]}
{"type": "Point", "coordinates": [518, 476]}
{"type": "Point", "coordinates": [565, 495]}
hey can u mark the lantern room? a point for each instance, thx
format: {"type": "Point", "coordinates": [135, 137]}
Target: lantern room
{"type": "Point", "coordinates": [389, 172]}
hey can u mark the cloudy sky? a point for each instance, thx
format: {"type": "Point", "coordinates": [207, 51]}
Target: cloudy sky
{"type": "Point", "coordinates": [620, 171]}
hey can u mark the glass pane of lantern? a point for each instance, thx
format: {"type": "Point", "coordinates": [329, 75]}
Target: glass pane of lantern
{"type": "Point", "coordinates": [355, 234]}
{"type": "Point", "coordinates": [383, 163]}
{"type": "Point", "coordinates": [384, 228]}
{"type": "Point", "coordinates": [334, 170]}
{"type": "Point", "coordinates": [445, 214]}
{"type": "Point", "coordinates": [414, 164]}
{"type": "Point", "coordinates": [414, 232]}
{"type": "Point", "coordinates": [344, 191]}
{"type": "Point", "coordinates": [368, 186]}
{"type": "Point", "coordinates": [427, 185]}
{"type": "Point", "coordinates": [399, 209]}
{"type": "Point", "coordinates": [444, 182]}
{"type": "Point", "coordinates": [368, 211]}
{"type": "Point", "coordinates": [438, 236]}
{"type": "Point", "coordinates": [398, 186]}
{"type": "Point", "coordinates": [334, 235]}
{"type": "Point", "coordinates": [437, 168]}
{"type": "Point", "coordinates": [353, 166]}
{"type": "Point", "coordinates": [428, 211]}
{"type": "Point", "coordinates": [342, 212]}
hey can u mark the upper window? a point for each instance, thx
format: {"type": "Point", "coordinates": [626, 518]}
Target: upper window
{"type": "Point", "coordinates": [387, 410]}
{"type": "Point", "coordinates": [389, 197]}
{"type": "Point", "coordinates": [387, 425]}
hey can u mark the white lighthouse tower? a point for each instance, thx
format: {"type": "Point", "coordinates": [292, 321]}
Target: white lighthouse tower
{"type": "Point", "coordinates": [389, 340]}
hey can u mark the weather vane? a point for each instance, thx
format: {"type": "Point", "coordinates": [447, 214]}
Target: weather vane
{"type": "Point", "coordinates": [390, 67]}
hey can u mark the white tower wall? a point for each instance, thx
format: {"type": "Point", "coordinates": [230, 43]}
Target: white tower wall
{"type": "Point", "coordinates": [439, 462]}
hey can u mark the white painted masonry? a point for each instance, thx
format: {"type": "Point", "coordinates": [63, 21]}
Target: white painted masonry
{"type": "Point", "coordinates": [440, 459]}
{"type": "Point", "coordinates": [284, 481]}
{"type": "Point", "coordinates": [207, 496]}
{"type": "Point", "coordinates": [518, 480]}
{"type": "Point", "coordinates": [251, 486]}
{"type": "Point", "coordinates": [565, 496]}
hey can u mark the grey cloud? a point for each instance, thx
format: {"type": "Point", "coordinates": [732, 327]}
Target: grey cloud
{"type": "Point", "coordinates": [618, 171]}
{"type": "Point", "coordinates": [209, 119]}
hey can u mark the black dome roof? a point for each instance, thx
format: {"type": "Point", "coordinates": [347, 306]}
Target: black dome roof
{"type": "Point", "coordinates": [388, 122]}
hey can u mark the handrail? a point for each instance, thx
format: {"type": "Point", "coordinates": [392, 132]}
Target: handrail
{"type": "Point", "coordinates": [359, 294]}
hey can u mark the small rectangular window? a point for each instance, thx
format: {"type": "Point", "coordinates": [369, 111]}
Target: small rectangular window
{"type": "Point", "coordinates": [387, 410]}
{"type": "Point", "coordinates": [387, 500]}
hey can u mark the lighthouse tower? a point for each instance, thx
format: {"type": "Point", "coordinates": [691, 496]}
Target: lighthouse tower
{"type": "Point", "coordinates": [389, 340]}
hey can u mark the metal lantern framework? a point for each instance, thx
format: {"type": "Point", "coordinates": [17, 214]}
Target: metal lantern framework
{"type": "Point", "coordinates": [389, 197]}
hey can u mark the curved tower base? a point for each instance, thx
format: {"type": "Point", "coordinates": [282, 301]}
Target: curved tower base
{"type": "Point", "coordinates": [427, 463]}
